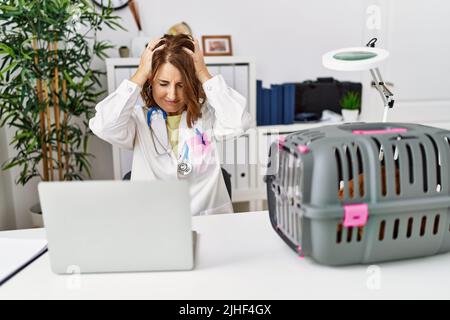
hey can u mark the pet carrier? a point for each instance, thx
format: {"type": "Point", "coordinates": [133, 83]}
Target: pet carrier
{"type": "Point", "coordinates": [361, 193]}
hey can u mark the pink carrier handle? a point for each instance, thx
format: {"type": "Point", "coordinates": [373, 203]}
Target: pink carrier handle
{"type": "Point", "coordinates": [384, 131]}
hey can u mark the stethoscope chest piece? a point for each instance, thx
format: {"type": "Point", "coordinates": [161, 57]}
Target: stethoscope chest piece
{"type": "Point", "coordinates": [184, 169]}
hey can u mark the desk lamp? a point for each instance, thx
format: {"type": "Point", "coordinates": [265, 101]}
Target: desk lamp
{"type": "Point", "coordinates": [359, 59]}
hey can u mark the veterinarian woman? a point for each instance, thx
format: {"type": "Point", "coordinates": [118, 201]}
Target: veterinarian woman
{"type": "Point", "coordinates": [186, 110]}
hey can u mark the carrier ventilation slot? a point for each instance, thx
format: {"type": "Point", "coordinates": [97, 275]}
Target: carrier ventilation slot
{"type": "Point", "coordinates": [351, 181]}
{"type": "Point", "coordinates": [340, 180]}
{"type": "Point", "coordinates": [382, 230]}
{"type": "Point", "coordinates": [349, 234]}
{"type": "Point", "coordinates": [360, 173]}
{"type": "Point", "coordinates": [424, 168]}
{"type": "Point", "coordinates": [383, 172]}
{"type": "Point", "coordinates": [438, 163]}
{"type": "Point", "coordinates": [410, 227]}
{"type": "Point", "coordinates": [339, 233]}
{"type": "Point", "coordinates": [423, 226]}
{"type": "Point", "coordinates": [318, 137]}
{"type": "Point", "coordinates": [436, 224]}
{"type": "Point", "coordinates": [410, 164]}
{"type": "Point", "coordinates": [297, 139]}
{"type": "Point", "coordinates": [381, 158]}
{"type": "Point", "coordinates": [397, 169]}
{"type": "Point", "coordinates": [396, 227]}
{"type": "Point", "coordinates": [360, 234]}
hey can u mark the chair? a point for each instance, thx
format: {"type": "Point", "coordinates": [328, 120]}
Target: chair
{"type": "Point", "coordinates": [225, 174]}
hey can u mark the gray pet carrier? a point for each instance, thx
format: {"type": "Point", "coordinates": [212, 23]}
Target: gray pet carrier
{"type": "Point", "coordinates": [361, 193]}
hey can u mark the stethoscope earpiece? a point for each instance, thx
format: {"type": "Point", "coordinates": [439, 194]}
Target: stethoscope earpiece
{"type": "Point", "coordinates": [150, 113]}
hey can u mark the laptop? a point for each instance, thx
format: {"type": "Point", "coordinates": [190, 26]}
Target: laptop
{"type": "Point", "coordinates": [117, 226]}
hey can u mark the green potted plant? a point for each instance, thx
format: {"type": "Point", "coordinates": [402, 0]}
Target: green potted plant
{"type": "Point", "coordinates": [48, 87]}
{"type": "Point", "coordinates": [350, 104]}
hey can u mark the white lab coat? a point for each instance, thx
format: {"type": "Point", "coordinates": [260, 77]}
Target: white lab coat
{"type": "Point", "coordinates": [119, 121]}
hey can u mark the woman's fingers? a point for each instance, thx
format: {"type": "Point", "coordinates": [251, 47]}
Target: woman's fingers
{"type": "Point", "coordinates": [159, 48]}
{"type": "Point", "coordinates": [196, 45]}
{"type": "Point", "coordinates": [153, 43]}
{"type": "Point", "coordinates": [188, 51]}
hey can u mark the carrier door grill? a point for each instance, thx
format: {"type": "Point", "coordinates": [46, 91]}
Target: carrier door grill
{"type": "Point", "coordinates": [288, 193]}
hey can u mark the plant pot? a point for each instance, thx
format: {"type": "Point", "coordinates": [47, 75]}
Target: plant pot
{"type": "Point", "coordinates": [350, 115]}
{"type": "Point", "coordinates": [36, 216]}
{"type": "Point", "coordinates": [124, 52]}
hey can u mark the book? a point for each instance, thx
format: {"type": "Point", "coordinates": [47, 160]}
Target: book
{"type": "Point", "coordinates": [276, 104]}
{"type": "Point", "coordinates": [289, 92]}
{"type": "Point", "coordinates": [259, 103]}
{"type": "Point", "coordinates": [266, 106]}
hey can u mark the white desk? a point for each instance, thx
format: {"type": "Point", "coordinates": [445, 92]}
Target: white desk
{"type": "Point", "coordinates": [239, 257]}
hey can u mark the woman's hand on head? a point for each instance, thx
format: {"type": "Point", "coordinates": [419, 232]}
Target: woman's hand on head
{"type": "Point", "coordinates": [199, 62]}
{"type": "Point", "coordinates": [145, 65]}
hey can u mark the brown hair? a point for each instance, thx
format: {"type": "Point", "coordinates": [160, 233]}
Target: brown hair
{"type": "Point", "coordinates": [174, 54]}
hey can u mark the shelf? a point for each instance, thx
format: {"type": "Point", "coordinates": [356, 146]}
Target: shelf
{"type": "Point", "coordinates": [133, 61]}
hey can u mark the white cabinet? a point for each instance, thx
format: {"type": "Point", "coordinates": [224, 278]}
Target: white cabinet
{"type": "Point", "coordinates": [239, 73]}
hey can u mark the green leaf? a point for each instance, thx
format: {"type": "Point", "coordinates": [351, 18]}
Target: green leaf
{"type": "Point", "coordinates": [4, 49]}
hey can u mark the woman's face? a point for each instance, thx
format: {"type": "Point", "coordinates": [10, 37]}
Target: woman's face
{"type": "Point", "coordinates": [167, 89]}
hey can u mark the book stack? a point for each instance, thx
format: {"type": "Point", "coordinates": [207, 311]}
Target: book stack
{"type": "Point", "coordinates": [275, 105]}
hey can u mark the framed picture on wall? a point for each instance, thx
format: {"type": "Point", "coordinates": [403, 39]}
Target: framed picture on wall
{"type": "Point", "coordinates": [217, 45]}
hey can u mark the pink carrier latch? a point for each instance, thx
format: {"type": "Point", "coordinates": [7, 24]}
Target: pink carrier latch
{"type": "Point", "coordinates": [281, 142]}
{"type": "Point", "coordinates": [303, 149]}
{"type": "Point", "coordinates": [356, 215]}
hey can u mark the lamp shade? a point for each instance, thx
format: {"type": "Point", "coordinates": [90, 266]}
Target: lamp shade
{"type": "Point", "coordinates": [354, 58]}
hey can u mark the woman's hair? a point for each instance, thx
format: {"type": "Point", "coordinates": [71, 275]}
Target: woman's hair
{"type": "Point", "coordinates": [173, 52]}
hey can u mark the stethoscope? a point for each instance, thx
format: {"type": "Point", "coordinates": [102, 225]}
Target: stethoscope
{"type": "Point", "coordinates": [184, 167]}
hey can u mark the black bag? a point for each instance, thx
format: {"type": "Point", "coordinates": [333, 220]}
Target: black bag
{"type": "Point", "coordinates": [324, 93]}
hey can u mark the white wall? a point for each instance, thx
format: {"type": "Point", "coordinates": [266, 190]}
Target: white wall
{"type": "Point", "coordinates": [7, 217]}
{"type": "Point", "coordinates": [287, 38]}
